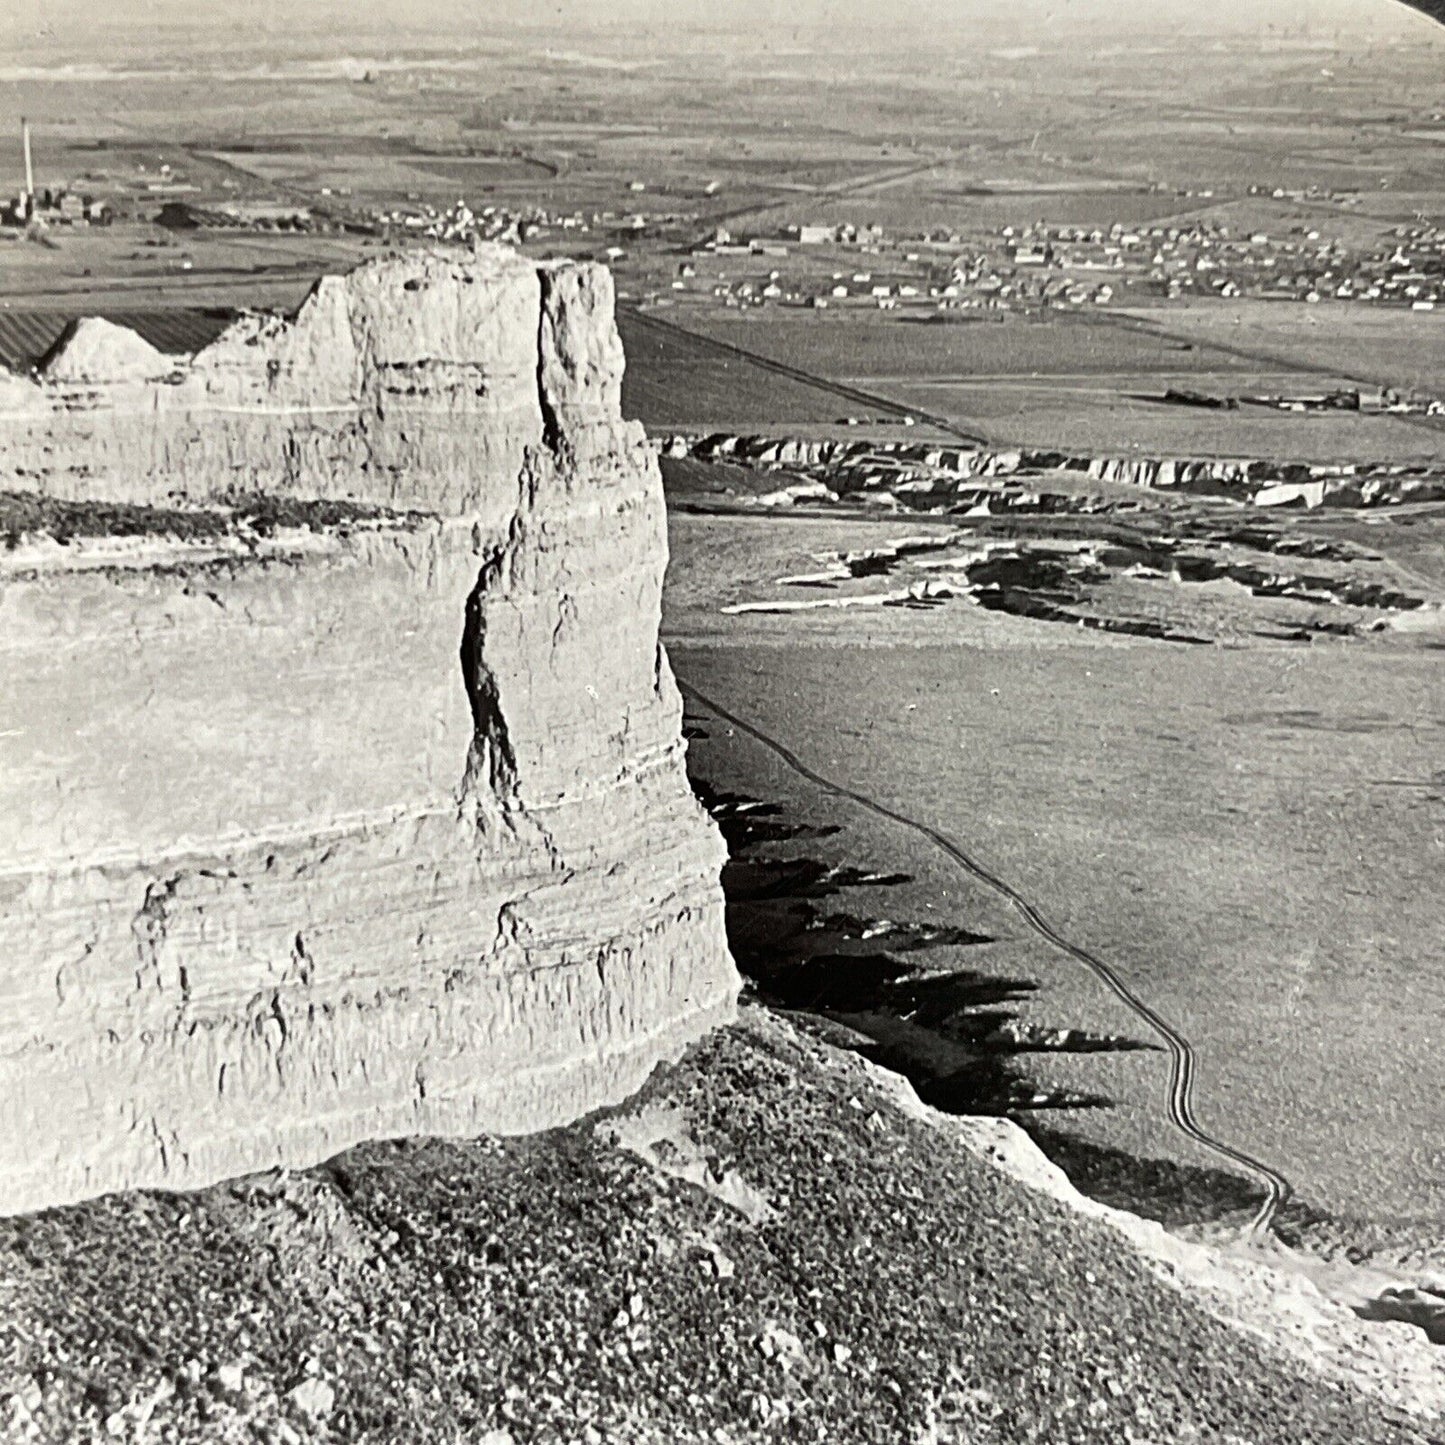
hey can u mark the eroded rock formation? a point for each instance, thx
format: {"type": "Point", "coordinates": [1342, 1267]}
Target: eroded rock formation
{"type": "Point", "coordinates": [344, 791]}
{"type": "Point", "coordinates": [935, 477]}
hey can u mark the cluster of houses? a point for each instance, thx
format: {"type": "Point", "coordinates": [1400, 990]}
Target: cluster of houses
{"type": "Point", "coordinates": [843, 287]}
{"type": "Point", "coordinates": [457, 222]}
{"type": "Point", "coordinates": [1372, 400]}
{"type": "Point", "coordinates": [238, 215]}
{"type": "Point", "coordinates": [1059, 264]}
{"type": "Point", "coordinates": [1410, 269]}
{"type": "Point", "coordinates": [1043, 265]}
{"type": "Point", "coordinates": [899, 279]}
{"type": "Point", "coordinates": [1028, 266]}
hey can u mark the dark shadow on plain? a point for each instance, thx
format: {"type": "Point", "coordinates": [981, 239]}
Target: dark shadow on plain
{"type": "Point", "coordinates": [1174, 1194]}
{"type": "Point", "coordinates": [954, 1033]}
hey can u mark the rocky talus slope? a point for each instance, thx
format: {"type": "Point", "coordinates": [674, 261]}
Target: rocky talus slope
{"type": "Point", "coordinates": [342, 767]}
{"type": "Point", "coordinates": [773, 1241]}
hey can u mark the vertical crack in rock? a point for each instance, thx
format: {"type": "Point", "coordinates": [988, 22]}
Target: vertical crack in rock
{"type": "Point", "coordinates": [148, 928]}
{"type": "Point", "coordinates": [553, 437]}
{"type": "Point", "coordinates": [491, 760]}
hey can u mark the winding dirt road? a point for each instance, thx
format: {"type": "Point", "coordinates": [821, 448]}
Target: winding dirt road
{"type": "Point", "coordinates": [1183, 1062]}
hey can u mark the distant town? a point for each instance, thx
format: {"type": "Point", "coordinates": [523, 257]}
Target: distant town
{"type": "Point", "coordinates": [961, 267]}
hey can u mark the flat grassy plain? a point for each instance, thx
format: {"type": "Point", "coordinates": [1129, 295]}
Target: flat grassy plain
{"type": "Point", "coordinates": [1095, 383]}
{"type": "Point", "coordinates": [940, 203]}
{"type": "Point", "coordinates": [1388, 346]}
{"type": "Point", "coordinates": [1124, 418]}
{"type": "Point", "coordinates": [87, 270]}
{"type": "Point", "coordinates": [1253, 834]}
{"type": "Point", "coordinates": [371, 171]}
{"type": "Point", "coordinates": [867, 344]}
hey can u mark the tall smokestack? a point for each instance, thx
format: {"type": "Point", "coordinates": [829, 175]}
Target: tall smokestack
{"type": "Point", "coordinates": [25, 146]}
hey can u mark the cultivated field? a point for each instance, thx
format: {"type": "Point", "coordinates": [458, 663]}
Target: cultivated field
{"type": "Point", "coordinates": [929, 345]}
{"type": "Point", "coordinates": [1127, 416]}
{"type": "Point", "coordinates": [1389, 347]}
{"type": "Point", "coordinates": [1096, 383]}
{"type": "Point", "coordinates": [674, 381]}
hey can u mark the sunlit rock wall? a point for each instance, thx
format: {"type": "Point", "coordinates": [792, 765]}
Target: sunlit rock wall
{"type": "Point", "coordinates": [371, 821]}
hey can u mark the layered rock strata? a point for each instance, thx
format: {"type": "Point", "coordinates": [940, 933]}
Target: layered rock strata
{"type": "Point", "coordinates": [926, 470]}
{"type": "Point", "coordinates": [344, 793]}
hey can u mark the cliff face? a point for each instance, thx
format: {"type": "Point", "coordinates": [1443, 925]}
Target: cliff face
{"type": "Point", "coordinates": [338, 821]}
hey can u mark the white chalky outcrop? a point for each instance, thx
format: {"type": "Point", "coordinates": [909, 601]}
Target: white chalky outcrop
{"type": "Point", "coordinates": [370, 822]}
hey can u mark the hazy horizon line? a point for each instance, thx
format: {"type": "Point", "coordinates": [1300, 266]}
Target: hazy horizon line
{"type": "Point", "coordinates": [75, 23]}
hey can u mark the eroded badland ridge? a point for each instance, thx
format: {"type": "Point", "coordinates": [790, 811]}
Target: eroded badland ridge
{"type": "Point", "coordinates": [349, 797]}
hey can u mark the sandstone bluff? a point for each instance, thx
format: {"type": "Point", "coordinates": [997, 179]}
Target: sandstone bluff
{"type": "Point", "coordinates": [342, 757]}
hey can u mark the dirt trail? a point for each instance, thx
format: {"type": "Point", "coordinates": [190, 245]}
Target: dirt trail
{"type": "Point", "coordinates": [1183, 1061]}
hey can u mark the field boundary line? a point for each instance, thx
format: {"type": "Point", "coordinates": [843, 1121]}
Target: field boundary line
{"type": "Point", "coordinates": [794, 373]}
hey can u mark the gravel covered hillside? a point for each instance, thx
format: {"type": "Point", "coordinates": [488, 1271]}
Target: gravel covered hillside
{"type": "Point", "coordinates": [762, 1246]}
